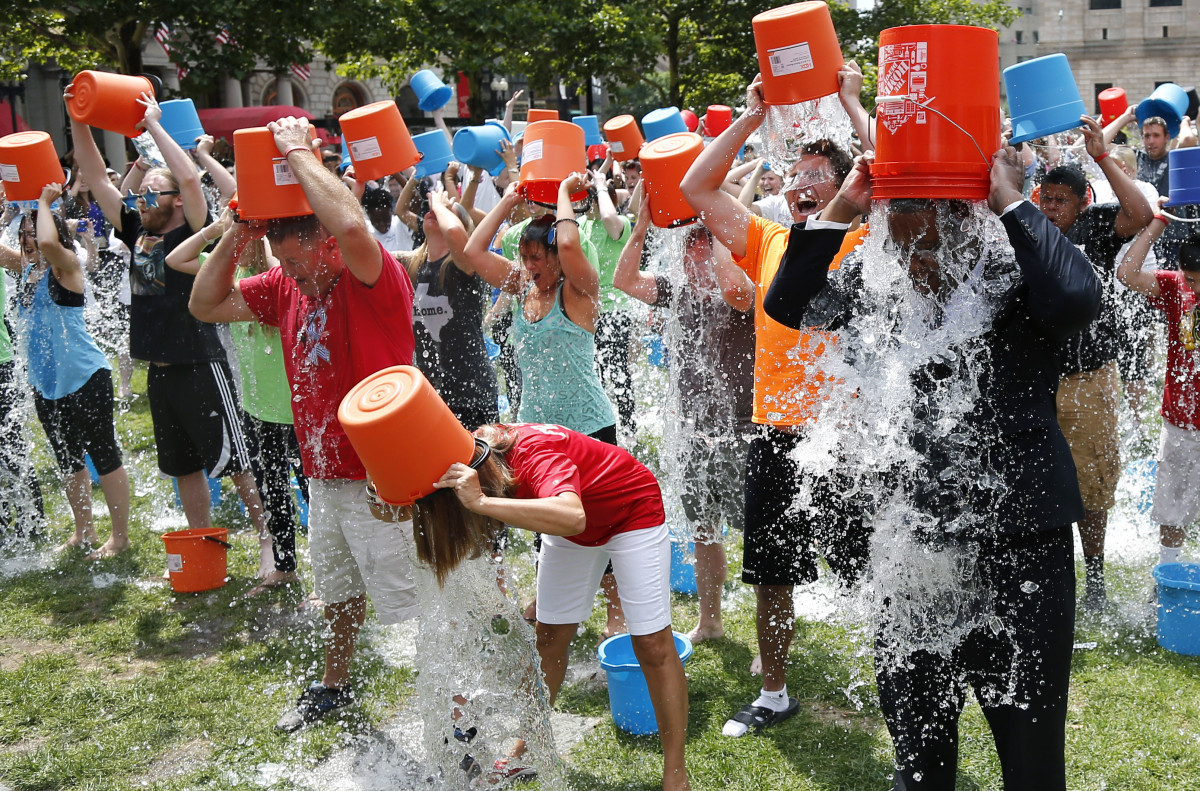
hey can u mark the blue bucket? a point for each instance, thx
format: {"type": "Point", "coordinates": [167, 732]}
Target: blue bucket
{"type": "Point", "coordinates": [662, 122]}
{"type": "Point", "coordinates": [432, 93]}
{"type": "Point", "coordinates": [628, 695]}
{"type": "Point", "coordinates": [435, 153]}
{"type": "Point", "coordinates": [683, 574]}
{"type": "Point", "coordinates": [1179, 607]}
{"type": "Point", "coordinates": [656, 353]}
{"type": "Point", "coordinates": [1169, 102]}
{"type": "Point", "coordinates": [1143, 473]}
{"type": "Point", "coordinates": [181, 121]}
{"type": "Point", "coordinates": [591, 129]}
{"type": "Point", "coordinates": [479, 146]}
{"type": "Point", "coordinates": [1042, 97]}
{"type": "Point", "coordinates": [91, 468]}
{"type": "Point", "coordinates": [301, 504]}
{"type": "Point", "coordinates": [346, 160]}
{"type": "Point", "coordinates": [1184, 169]}
{"type": "Point", "coordinates": [214, 492]}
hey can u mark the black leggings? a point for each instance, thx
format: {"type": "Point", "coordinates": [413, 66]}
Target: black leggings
{"type": "Point", "coordinates": [272, 446]}
{"type": "Point", "coordinates": [1020, 673]}
{"type": "Point", "coordinates": [81, 423]}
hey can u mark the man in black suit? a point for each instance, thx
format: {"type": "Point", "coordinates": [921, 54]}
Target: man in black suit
{"type": "Point", "coordinates": [983, 473]}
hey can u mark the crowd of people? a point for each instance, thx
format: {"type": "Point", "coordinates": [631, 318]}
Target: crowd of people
{"type": "Point", "coordinates": [526, 313]}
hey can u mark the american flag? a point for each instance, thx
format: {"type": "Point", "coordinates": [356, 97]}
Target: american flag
{"type": "Point", "coordinates": [301, 70]}
{"type": "Point", "coordinates": [225, 37]}
{"type": "Point", "coordinates": [163, 34]}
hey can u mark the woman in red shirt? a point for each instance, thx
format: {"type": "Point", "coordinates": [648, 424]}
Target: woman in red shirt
{"type": "Point", "coordinates": [592, 502]}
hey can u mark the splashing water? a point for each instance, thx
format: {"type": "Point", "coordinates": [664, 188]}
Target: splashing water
{"type": "Point", "coordinates": [788, 127]}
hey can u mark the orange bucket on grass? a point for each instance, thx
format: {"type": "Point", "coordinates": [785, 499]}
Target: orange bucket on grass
{"type": "Point", "coordinates": [553, 150]}
{"type": "Point", "coordinates": [943, 149]}
{"type": "Point", "coordinates": [378, 140]}
{"type": "Point", "coordinates": [28, 162]}
{"type": "Point", "coordinates": [197, 559]}
{"type": "Point", "coordinates": [624, 138]}
{"type": "Point", "coordinates": [1113, 102]}
{"type": "Point", "coordinates": [109, 101]}
{"type": "Point", "coordinates": [403, 432]}
{"type": "Point", "coordinates": [665, 162]}
{"type": "Point", "coordinates": [266, 186]}
{"type": "Point", "coordinates": [798, 52]}
{"type": "Point", "coordinates": [534, 114]}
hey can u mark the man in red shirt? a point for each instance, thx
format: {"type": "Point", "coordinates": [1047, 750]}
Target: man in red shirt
{"type": "Point", "coordinates": [343, 306]}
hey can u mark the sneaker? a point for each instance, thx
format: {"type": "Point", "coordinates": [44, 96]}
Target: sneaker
{"type": "Point", "coordinates": [504, 770]}
{"type": "Point", "coordinates": [314, 703]}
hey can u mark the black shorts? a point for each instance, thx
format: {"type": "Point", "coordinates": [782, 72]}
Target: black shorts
{"type": "Point", "coordinates": [82, 422]}
{"type": "Point", "coordinates": [782, 536]}
{"type": "Point", "coordinates": [196, 419]}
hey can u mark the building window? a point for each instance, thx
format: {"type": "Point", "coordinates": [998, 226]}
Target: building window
{"type": "Point", "coordinates": [1165, 3]}
{"type": "Point", "coordinates": [1164, 31]}
{"type": "Point", "coordinates": [346, 97]}
{"type": "Point", "coordinates": [1099, 88]}
{"type": "Point", "coordinates": [1020, 35]}
{"type": "Point", "coordinates": [1101, 5]}
{"type": "Point", "coordinates": [1035, 37]}
{"type": "Point", "coordinates": [1104, 33]}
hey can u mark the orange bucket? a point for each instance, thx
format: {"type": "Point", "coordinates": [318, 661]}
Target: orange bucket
{"type": "Point", "coordinates": [267, 188]}
{"type": "Point", "coordinates": [624, 138]}
{"type": "Point", "coordinates": [403, 432]}
{"type": "Point", "coordinates": [538, 114]}
{"type": "Point", "coordinates": [109, 101]}
{"type": "Point", "coordinates": [946, 151]}
{"type": "Point", "coordinates": [665, 162]}
{"type": "Point", "coordinates": [718, 118]}
{"type": "Point", "coordinates": [798, 52]}
{"type": "Point", "coordinates": [197, 559]}
{"type": "Point", "coordinates": [1113, 102]}
{"type": "Point", "coordinates": [553, 150]}
{"type": "Point", "coordinates": [378, 140]}
{"type": "Point", "coordinates": [28, 162]}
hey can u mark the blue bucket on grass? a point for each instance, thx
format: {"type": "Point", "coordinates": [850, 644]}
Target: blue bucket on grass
{"type": "Point", "coordinates": [683, 574]}
{"type": "Point", "coordinates": [662, 122]}
{"type": "Point", "coordinates": [432, 93]}
{"type": "Point", "coordinates": [1184, 167]}
{"type": "Point", "coordinates": [1169, 102]}
{"type": "Point", "coordinates": [479, 146]}
{"type": "Point", "coordinates": [1043, 97]}
{"type": "Point", "coordinates": [435, 153]}
{"type": "Point", "coordinates": [591, 129]}
{"type": "Point", "coordinates": [1143, 474]}
{"type": "Point", "coordinates": [628, 695]}
{"type": "Point", "coordinates": [181, 121]}
{"type": "Point", "coordinates": [1179, 607]}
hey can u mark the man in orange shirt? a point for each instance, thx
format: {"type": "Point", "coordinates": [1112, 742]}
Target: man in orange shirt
{"type": "Point", "coordinates": [779, 550]}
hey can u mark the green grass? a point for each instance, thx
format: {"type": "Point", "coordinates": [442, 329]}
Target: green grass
{"type": "Point", "coordinates": [131, 686]}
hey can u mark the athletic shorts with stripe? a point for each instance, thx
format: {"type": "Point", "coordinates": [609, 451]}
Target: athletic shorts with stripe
{"type": "Point", "coordinates": [195, 413]}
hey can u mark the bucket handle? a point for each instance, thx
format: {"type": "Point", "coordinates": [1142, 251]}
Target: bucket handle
{"type": "Point", "coordinates": [918, 103]}
{"type": "Point", "coordinates": [216, 540]}
{"type": "Point", "coordinates": [1170, 216]}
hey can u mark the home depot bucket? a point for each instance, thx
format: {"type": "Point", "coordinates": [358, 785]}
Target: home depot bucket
{"type": "Point", "coordinates": [920, 153]}
{"type": "Point", "coordinates": [109, 101]}
{"type": "Point", "coordinates": [479, 146]}
{"type": "Point", "coordinates": [1179, 607]}
{"type": "Point", "coordinates": [628, 696]}
{"type": "Point", "coordinates": [378, 140]}
{"type": "Point", "coordinates": [267, 188]}
{"type": "Point", "coordinates": [432, 93]}
{"type": "Point", "coordinates": [196, 558]}
{"type": "Point", "coordinates": [535, 114]}
{"type": "Point", "coordinates": [717, 119]}
{"type": "Point", "coordinates": [590, 125]}
{"type": "Point", "coordinates": [1113, 102]}
{"type": "Point", "coordinates": [435, 153]}
{"type": "Point", "coordinates": [1042, 97]}
{"type": "Point", "coordinates": [1184, 173]}
{"type": "Point", "coordinates": [798, 53]}
{"type": "Point", "coordinates": [181, 121]}
{"type": "Point", "coordinates": [665, 162]}
{"type": "Point", "coordinates": [1169, 102]}
{"type": "Point", "coordinates": [28, 162]}
{"type": "Point", "coordinates": [662, 122]}
{"type": "Point", "coordinates": [624, 138]}
{"type": "Point", "coordinates": [404, 433]}
{"type": "Point", "coordinates": [553, 150]}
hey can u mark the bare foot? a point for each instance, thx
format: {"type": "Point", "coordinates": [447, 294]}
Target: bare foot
{"type": "Point", "coordinates": [273, 580]}
{"type": "Point", "coordinates": [109, 549]}
{"type": "Point", "coordinates": [706, 632]}
{"type": "Point", "coordinates": [311, 605]}
{"type": "Point", "coordinates": [756, 665]}
{"type": "Point", "coordinates": [530, 614]}
{"type": "Point", "coordinates": [266, 561]}
{"type": "Point", "coordinates": [74, 542]}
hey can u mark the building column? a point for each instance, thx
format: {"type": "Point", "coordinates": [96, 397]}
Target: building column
{"type": "Point", "coordinates": [231, 89]}
{"type": "Point", "coordinates": [283, 88]}
{"type": "Point", "coordinates": [114, 149]}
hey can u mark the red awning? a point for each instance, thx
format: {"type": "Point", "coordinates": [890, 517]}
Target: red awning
{"type": "Point", "coordinates": [6, 117]}
{"type": "Point", "coordinates": [224, 121]}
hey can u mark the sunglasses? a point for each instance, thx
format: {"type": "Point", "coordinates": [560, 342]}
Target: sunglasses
{"type": "Point", "coordinates": [149, 197]}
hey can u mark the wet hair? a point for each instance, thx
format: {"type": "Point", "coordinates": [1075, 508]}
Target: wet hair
{"type": "Point", "coordinates": [1070, 176]}
{"type": "Point", "coordinates": [376, 198]}
{"type": "Point", "coordinates": [1126, 156]}
{"type": "Point", "coordinates": [1189, 254]}
{"type": "Point", "coordinates": [538, 232]}
{"type": "Point", "coordinates": [305, 227]}
{"type": "Point", "coordinates": [165, 173]}
{"type": "Point", "coordinates": [948, 214]}
{"type": "Point", "coordinates": [64, 233]}
{"type": "Point", "coordinates": [418, 257]}
{"type": "Point", "coordinates": [1157, 120]}
{"type": "Point", "coordinates": [445, 532]}
{"type": "Point", "coordinates": [841, 161]}
{"type": "Point", "coordinates": [695, 232]}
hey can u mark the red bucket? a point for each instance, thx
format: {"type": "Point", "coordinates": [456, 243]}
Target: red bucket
{"type": "Point", "coordinates": [1113, 102]}
{"type": "Point", "coordinates": [943, 149]}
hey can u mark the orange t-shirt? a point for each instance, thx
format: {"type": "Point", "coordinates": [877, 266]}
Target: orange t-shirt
{"type": "Point", "coordinates": [787, 379]}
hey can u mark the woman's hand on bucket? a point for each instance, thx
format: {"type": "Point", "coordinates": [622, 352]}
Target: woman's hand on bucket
{"type": "Point", "coordinates": [465, 483]}
{"type": "Point", "coordinates": [755, 104]}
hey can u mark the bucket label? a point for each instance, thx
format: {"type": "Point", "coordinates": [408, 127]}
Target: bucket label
{"type": "Point", "coordinates": [367, 148]}
{"type": "Point", "coordinates": [790, 60]}
{"type": "Point", "coordinates": [903, 71]}
{"type": "Point", "coordinates": [174, 562]}
{"type": "Point", "coordinates": [9, 173]}
{"type": "Point", "coordinates": [616, 146]}
{"type": "Point", "coordinates": [283, 173]}
{"type": "Point", "coordinates": [532, 151]}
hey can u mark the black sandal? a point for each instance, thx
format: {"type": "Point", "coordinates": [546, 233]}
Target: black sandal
{"type": "Point", "coordinates": [756, 718]}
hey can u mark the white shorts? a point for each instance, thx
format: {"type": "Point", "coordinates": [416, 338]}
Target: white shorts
{"type": "Point", "coordinates": [353, 553]}
{"type": "Point", "coordinates": [569, 574]}
{"type": "Point", "coordinates": [1177, 483]}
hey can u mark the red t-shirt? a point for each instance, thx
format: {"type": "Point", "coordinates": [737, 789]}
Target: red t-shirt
{"type": "Point", "coordinates": [1180, 404]}
{"type": "Point", "coordinates": [619, 494]}
{"type": "Point", "coordinates": [331, 344]}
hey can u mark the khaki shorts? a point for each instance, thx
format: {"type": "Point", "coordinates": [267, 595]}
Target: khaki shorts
{"type": "Point", "coordinates": [1087, 415]}
{"type": "Point", "coordinates": [1177, 484]}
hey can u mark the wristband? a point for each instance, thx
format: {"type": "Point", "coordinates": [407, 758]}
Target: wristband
{"type": "Point", "coordinates": [137, 163]}
{"type": "Point", "coordinates": [290, 149]}
{"type": "Point", "coordinates": [1097, 159]}
{"type": "Point", "coordinates": [1161, 218]}
{"type": "Point", "coordinates": [567, 219]}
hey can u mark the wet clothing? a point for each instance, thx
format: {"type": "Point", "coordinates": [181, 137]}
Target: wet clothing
{"type": "Point", "coordinates": [1181, 395]}
{"type": "Point", "coordinates": [448, 307]}
{"type": "Point", "coordinates": [1096, 345]}
{"type": "Point", "coordinates": [80, 423]}
{"type": "Point", "coordinates": [265, 391]}
{"type": "Point", "coordinates": [1154, 171]}
{"type": "Point", "coordinates": [59, 352]}
{"type": "Point", "coordinates": [197, 422]}
{"type": "Point", "coordinates": [271, 447]}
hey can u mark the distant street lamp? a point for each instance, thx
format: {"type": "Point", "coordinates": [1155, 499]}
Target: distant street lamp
{"type": "Point", "coordinates": [499, 86]}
